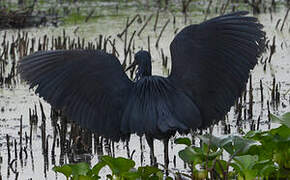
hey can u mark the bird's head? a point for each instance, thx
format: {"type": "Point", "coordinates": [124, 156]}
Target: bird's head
{"type": "Point", "coordinates": [142, 59]}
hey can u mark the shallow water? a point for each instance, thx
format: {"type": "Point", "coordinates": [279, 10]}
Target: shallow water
{"type": "Point", "coordinates": [15, 102]}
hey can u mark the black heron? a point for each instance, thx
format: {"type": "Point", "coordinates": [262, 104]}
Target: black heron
{"type": "Point", "coordinates": [211, 62]}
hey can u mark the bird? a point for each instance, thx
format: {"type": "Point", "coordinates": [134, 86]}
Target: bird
{"type": "Point", "coordinates": [211, 63]}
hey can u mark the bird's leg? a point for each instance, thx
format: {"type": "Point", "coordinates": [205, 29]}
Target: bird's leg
{"type": "Point", "coordinates": [142, 153]}
{"type": "Point", "coordinates": [149, 140]}
{"type": "Point", "coordinates": [127, 148]}
{"type": "Point", "coordinates": [166, 155]}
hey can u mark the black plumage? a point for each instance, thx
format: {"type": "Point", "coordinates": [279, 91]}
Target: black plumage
{"type": "Point", "coordinates": [211, 62]}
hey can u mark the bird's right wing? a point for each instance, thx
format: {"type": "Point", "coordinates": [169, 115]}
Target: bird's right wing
{"type": "Point", "coordinates": [90, 86]}
{"type": "Point", "coordinates": [211, 61]}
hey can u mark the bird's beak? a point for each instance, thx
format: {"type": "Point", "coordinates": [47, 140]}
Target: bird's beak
{"type": "Point", "coordinates": [131, 66]}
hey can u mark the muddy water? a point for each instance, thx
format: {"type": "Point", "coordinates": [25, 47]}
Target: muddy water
{"type": "Point", "coordinates": [15, 102]}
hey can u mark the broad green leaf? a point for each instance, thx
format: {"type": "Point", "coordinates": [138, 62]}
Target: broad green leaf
{"type": "Point", "coordinates": [160, 175]}
{"type": "Point", "coordinates": [282, 131]}
{"type": "Point", "coordinates": [238, 145]}
{"type": "Point", "coordinates": [284, 119]}
{"type": "Point", "coordinates": [108, 160]}
{"type": "Point", "coordinates": [185, 141]}
{"type": "Point", "coordinates": [275, 119]}
{"type": "Point", "coordinates": [253, 134]}
{"type": "Point", "coordinates": [118, 165]}
{"type": "Point", "coordinates": [80, 168]}
{"type": "Point", "coordinates": [230, 143]}
{"type": "Point", "coordinates": [123, 164]}
{"type": "Point", "coordinates": [244, 166]}
{"type": "Point", "coordinates": [96, 169]}
{"type": "Point", "coordinates": [204, 152]}
{"type": "Point", "coordinates": [246, 161]}
{"type": "Point", "coordinates": [275, 144]}
{"type": "Point", "coordinates": [65, 170]}
{"type": "Point", "coordinates": [85, 178]}
{"type": "Point", "coordinates": [95, 177]}
{"type": "Point", "coordinates": [243, 145]}
{"type": "Point", "coordinates": [265, 167]}
{"type": "Point", "coordinates": [189, 155]}
{"type": "Point", "coordinates": [131, 175]}
{"type": "Point", "coordinates": [212, 140]}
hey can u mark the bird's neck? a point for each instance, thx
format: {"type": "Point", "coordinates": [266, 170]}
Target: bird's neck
{"type": "Point", "coordinates": [144, 70]}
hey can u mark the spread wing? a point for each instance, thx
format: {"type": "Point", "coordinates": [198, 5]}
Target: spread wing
{"type": "Point", "coordinates": [89, 85]}
{"type": "Point", "coordinates": [211, 61]}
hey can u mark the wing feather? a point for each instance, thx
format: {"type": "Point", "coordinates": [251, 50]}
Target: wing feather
{"type": "Point", "coordinates": [90, 86]}
{"type": "Point", "coordinates": [211, 61]}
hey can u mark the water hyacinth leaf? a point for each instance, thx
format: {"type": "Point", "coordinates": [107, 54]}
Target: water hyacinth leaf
{"type": "Point", "coordinates": [253, 134]}
{"type": "Point", "coordinates": [123, 164]}
{"type": "Point", "coordinates": [230, 143]}
{"type": "Point", "coordinates": [243, 145]}
{"type": "Point", "coordinates": [217, 142]}
{"type": "Point", "coordinates": [205, 153]}
{"type": "Point", "coordinates": [160, 175]}
{"type": "Point", "coordinates": [84, 178]}
{"type": "Point", "coordinates": [189, 155]}
{"type": "Point", "coordinates": [96, 169]}
{"type": "Point", "coordinates": [80, 169]}
{"type": "Point", "coordinates": [118, 165]}
{"type": "Point", "coordinates": [95, 177]}
{"type": "Point", "coordinates": [244, 166]}
{"type": "Point", "coordinates": [238, 145]}
{"type": "Point", "coordinates": [131, 175]}
{"type": "Point", "coordinates": [283, 133]}
{"type": "Point", "coordinates": [65, 170]}
{"type": "Point", "coordinates": [284, 119]}
{"type": "Point", "coordinates": [265, 167]}
{"type": "Point", "coordinates": [108, 160]}
{"type": "Point", "coordinates": [275, 144]}
{"type": "Point", "coordinates": [210, 139]}
{"type": "Point", "coordinates": [185, 141]}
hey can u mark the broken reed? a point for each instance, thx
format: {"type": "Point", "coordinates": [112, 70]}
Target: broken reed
{"type": "Point", "coordinates": [22, 44]}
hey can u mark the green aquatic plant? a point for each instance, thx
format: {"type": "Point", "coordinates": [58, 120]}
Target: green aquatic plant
{"type": "Point", "coordinates": [121, 169]}
{"type": "Point", "coordinates": [263, 154]}
{"type": "Point", "coordinates": [258, 154]}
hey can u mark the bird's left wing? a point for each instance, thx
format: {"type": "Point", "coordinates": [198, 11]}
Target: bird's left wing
{"type": "Point", "coordinates": [89, 85]}
{"type": "Point", "coordinates": [211, 61]}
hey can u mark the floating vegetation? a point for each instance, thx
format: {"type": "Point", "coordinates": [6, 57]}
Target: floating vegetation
{"type": "Point", "coordinates": [258, 154]}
